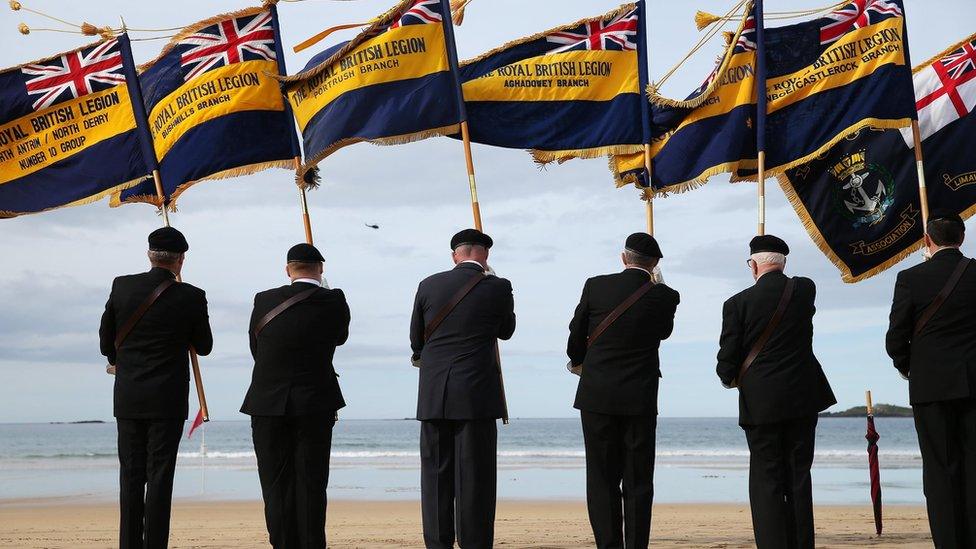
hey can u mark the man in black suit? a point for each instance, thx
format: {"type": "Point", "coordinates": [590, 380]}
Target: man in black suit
{"type": "Point", "coordinates": [780, 394]}
{"type": "Point", "coordinates": [461, 393]}
{"type": "Point", "coordinates": [294, 396]}
{"type": "Point", "coordinates": [149, 357]}
{"type": "Point", "coordinates": [619, 371]}
{"type": "Point", "coordinates": [939, 362]}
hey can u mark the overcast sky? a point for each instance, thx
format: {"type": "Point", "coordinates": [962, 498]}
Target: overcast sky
{"type": "Point", "coordinates": [552, 228]}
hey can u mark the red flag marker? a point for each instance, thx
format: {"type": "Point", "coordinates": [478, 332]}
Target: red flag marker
{"type": "Point", "coordinates": [198, 421]}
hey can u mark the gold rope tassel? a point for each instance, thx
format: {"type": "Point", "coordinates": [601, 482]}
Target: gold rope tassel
{"type": "Point", "coordinates": [23, 28]}
{"type": "Point", "coordinates": [704, 19]}
{"type": "Point", "coordinates": [457, 10]}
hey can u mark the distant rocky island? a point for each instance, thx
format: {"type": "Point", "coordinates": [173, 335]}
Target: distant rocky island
{"type": "Point", "coordinates": [85, 422]}
{"type": "Point", "coordinates": [880, 410]}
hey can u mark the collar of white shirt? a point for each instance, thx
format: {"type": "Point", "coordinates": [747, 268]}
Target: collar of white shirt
{"type": "Point", "coordinates": [482, 267]}
{"type": "Point", "coordinates": [307, 281]}
{"type": "Point", "coordinates": [640, 269]}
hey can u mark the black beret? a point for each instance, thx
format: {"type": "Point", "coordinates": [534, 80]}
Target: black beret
{"type": "Point", "coordinates": [946, 215]}
{"type": "Point", "coordinates": [643, 244]}
{"type": "Point", "coordinates": [768, 243]}
{"type": "Point", "coordinates": [305, 253]}
{"type": "Point", "coordinates": [471, 236]}
{"type": "Point", "coordinates": [168, 239]}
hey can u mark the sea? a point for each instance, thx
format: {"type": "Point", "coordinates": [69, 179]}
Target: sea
{"type": "Point", "coordinates": [699, 460]}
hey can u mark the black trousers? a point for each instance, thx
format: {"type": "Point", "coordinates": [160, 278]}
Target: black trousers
{"type": "Point", "coordinates": [619, 451]}
{"type": "Point", "coordinates": [293, 465]}
{"type": "Point", "coordinates": [458, 475]}
{"type": "Point", "coordinates": [147, 462]}
{"type": "Point", "coordinates": [947, 439]}
{"type": "Point", "coordinates": [780, 490]}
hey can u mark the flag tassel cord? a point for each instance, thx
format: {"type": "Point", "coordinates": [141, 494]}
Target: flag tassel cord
{"type": "Point", "coordinates": [476, 212]}
{"type": "Point", "coordinates": [923, 194]}
{"type": "Point", "coordinates": [194, 359]}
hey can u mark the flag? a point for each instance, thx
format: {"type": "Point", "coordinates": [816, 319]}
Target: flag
{"type": "Point", "coordinates": [214, 109]}
{"type": "Point", "coordinates": [396, 82]}
{"type": "Point", "coordinates": [68, 129]}
{"type": "Point", "coordinates": [859, 201]}
{"type": "Point", "coordinates": [829, 77]}
{"type": "Point", "coordinates": [575, 91]}
{"type": "Point", "coordinates": [197, 422]}
{"type": "Point", "coordinates": [710, 132]}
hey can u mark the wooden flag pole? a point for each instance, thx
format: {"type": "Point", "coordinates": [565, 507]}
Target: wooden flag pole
{"type": "Point", "coordinates": [649, 194]}
{"type": "Point", "coordinates": [194, 360]}
{"type": "Point", "coordinates": [476, 212]}
{"type": "Point", "coordinates": [306, 219]}
{"type": "Point", "coordinates": [923, 194]}
{"type": "Point", "coordinates": [469, 161]}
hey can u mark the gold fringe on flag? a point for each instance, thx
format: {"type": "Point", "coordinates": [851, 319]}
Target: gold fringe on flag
{"type": "Point", "coordinates": [457, 10]}
{"type": "Point", "coordinates": [818, 238]}
{"type": "Point", "coordinates": [311, 163]}
{"type": "Point", "coordinates": [547, 157]}
{"type": "Point", "coordinates": [610, 15]}
{"type": "Point", "coordinates": [377, 23]}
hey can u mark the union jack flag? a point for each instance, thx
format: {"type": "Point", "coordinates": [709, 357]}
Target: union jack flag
{"type": "Point", "coordinates": [230, 41]}
{"type": "Point", "coordinates": [618, 34]}
{"type": "Point", "coordinates": [75, 74]}
{"type": "Point", "coordinates": [423, 12]}
{"type": "Point", "coordinates": [855, 15]}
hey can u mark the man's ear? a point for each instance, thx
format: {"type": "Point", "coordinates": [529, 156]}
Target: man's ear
{"type": "Point", "coordinates": [454, 257]}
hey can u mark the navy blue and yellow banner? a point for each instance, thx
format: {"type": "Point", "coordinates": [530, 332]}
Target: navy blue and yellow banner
{"type": "Point", "coordinates": [214, 108]}
{"type": "Point", "coordinates": [832, 76]}
{"type": "Point", "coordinates": [860, 200]}
{"type": "Point", "coordinates": [710, 132]}
{"type": "Point", "coordinates": [569, 92]}
{"type": "Point", "coordinates": [394, 83]}
{"type": "Point", "coordinates": [68, 131]}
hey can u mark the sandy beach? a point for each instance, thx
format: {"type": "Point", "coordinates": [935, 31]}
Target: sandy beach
{"type": "Point", "coordinates": [56, 523]}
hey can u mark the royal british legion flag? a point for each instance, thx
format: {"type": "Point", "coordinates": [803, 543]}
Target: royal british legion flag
{"type": "Point", "coordinates": [395, 82]}
{"type": "Point", "coordinates": [69, 129]}
{"type": "Point", "coordinates": [571, 92]}
{"type": "Point", "coordinates": [215, 110]}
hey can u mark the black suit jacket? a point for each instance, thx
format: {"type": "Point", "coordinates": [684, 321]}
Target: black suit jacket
{"type": "Point", "coordinates": [293, 370]}
{"type": "Point", "coordinates": [941, 363]}
{"type": "Point", "coordinates": [621, 369]}
{"type": "Point", "coordinates": [152, 379]}
{"type": "Point", "coordinates": [785, 381]}
{"type": "Point", "coordinates": [459, 365]}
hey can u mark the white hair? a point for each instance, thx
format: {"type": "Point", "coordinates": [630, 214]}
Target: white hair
{"type": "Point", "coordinates": [768, 258]}
{"type": "Point", "coordinates": [639, 259]}
{"type": "Point", "coordinates": [164, 257]}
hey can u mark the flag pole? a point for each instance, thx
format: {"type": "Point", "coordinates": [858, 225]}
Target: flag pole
{"type": "Point", "coordinates": [761, 115]}
{"type": "Point", "coordinates": [306, 218]}
{"type": "Point", "coordinates": [472, 184]}
{"type": "Point", "coordinates": [194, 360]}
{"type": "Point", "coordinates": [649, 192]}
{"type": "Point", "coordinates": [923, 194]}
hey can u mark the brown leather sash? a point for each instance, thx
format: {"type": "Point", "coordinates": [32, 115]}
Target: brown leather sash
{"type": "Point", "coordinates": [282, 307]}
{"type": "Point", "coordinates": [757, 348]}
{"type": "Point", "coordinates": [615, 314]}
{"type": "Point", "coordinates": [933, 307]}
{"type": "Point", "coordinates": [143, 307]}
{"type": "Point", "coordinates": [446, 309]}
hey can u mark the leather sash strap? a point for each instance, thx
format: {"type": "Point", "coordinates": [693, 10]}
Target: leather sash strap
{"type": "Point", "coordinates": [757, 348]}
{"type": "Point", "coordinates": [143, 307]}
{"type": "Point", "coordinates": [615, 314]}
{"type": "Point", "coordinates": [933, 307]}
{"type": "Point", "coordinates": [282, 307]}
{"type": "Point", "coordinates": [446, 309]}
